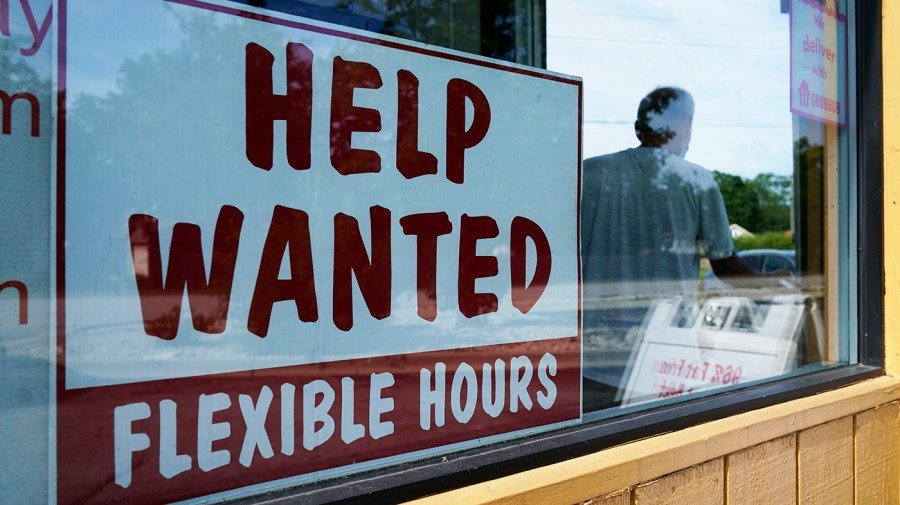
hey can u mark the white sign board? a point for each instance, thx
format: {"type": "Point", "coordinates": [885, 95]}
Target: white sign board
{"type": "Point", "coordinates": [293, 248]}
{"type": "Point", "coordinates": [685, 348]}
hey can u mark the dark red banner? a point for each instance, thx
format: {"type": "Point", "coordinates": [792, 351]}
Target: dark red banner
{"type": "Point", "coordinates": [163, 441]}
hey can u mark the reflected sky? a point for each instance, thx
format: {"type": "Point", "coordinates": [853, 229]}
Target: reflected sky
{"type": "Point", "coordinates": [157, 127]}
{"type": "Point", "coordinates": [732, 56]}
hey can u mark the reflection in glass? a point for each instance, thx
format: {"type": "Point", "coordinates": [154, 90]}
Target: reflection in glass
{"type": "Point", "coordinates": [510, 30]}
{"type": "Point", "coordinates": [677, 298]}
{"type": "Point", "coordinates": [744, 210]}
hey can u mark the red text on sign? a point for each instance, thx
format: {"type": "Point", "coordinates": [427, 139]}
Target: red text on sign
{"type": "Point", "coordinates": [263, 107]}
{"type": "Point", "coordinates": [371, 266]}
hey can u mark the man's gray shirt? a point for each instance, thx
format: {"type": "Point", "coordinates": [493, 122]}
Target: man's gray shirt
{"type": "Point", "coordinates": [646, 217]}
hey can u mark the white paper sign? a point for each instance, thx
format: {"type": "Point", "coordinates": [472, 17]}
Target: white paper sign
{"type": "Point", "coordinates": [819, 61]}
{"type": "Point", "coordinates": [684, 348]}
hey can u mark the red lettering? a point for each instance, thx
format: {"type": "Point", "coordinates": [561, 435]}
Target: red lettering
{"type": "Point", "coordinates": [289, 231]}
{"type": "Point", "coordinates": [6, 103]}
{"type": "Point", "coordinates": [4, 18]}
{"type": "Point", "coordinates": [23, 298]}
{"type": "Point", "coordinates": [459, 139]}
{"type": "Point", "coordinates": [472, 266]}
{"type": "Point", "coordinates": [346, 119]}
{"type": "Point", "coordinates": [427, 228]}
{"type": "Point", "coordinates": [39, 34]}
{"type": "Point", "coordinates": [350, 257]}
{"type": "Point", "coordinates": [524, 297]}
{"type": "Point", "coordinates": [264, 107]}
{"type": "Point", "coordinates": [161, 305]}
{"type": "Point", "coordinates": [410, 161]}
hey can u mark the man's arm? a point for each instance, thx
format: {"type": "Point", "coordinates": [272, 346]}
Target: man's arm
{"type": "Point", "coordinates": [739, 273]}
{"type": "Point", "coordinates": [732, 266]}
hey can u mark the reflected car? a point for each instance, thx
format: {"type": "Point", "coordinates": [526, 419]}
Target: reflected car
{"type": "Point", "coordinates": [764, 261]}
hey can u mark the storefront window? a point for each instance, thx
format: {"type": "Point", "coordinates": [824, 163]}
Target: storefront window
{"type": "Point", "coordinates": [256, 245]}
{"type": "Point", "coordinates": [510, 30]}
{"type": "Point", "coordinates": [733, 181]}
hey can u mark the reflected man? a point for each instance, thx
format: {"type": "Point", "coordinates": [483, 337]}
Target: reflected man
{"type": "Point", "coordinates": [646, 217]}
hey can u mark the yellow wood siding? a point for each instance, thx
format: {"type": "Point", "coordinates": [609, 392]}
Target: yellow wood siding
{"type": "Point", "coordinates": [700, 485]}
{"type": "Point", "coordinates": [825, 463]}
{"type": "Point", "coordinates": [877, 453]}
{"type": "Point", "coordinates": [624, 467]}
{"type": "Point", "coordinates": [891, 139]}
{"type": "Point", "coordinates": [764, 474]}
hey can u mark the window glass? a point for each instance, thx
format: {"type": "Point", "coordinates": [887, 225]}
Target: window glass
{"type": "Point", "coordinates": [754, 260]}
{"type": "Point", "coordinates": [259, 244]}
{"type": "Point", "coordinates": [510, 30]}
{"type": "Point", "coordinates": [26, 104]}
{"type": "Point", "coordinates": [700, 143]}
{"type": "Point", "coordinates": [774, 262]}
{"type": "Point", "coordinates": [290, 251]}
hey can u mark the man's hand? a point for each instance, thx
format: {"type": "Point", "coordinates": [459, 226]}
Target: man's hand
{"type": "Point", "coordinates": [738, 273]}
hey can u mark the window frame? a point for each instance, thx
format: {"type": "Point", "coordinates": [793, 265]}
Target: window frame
{"type": "Point", "coordinates": [436, 474]}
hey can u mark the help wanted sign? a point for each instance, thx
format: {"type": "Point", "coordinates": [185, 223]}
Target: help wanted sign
{"type": "Point", "coordinates": [287, 250]}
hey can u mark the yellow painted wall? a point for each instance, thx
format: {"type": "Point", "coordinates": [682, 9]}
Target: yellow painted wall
{"type": "Point", "coordinates": [840, 447]}
{"type": "Point", "coordinates": [891, 64]}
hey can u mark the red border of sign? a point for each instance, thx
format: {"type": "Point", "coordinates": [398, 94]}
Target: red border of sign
{"type": "Point", "coordinates": [64, 398]}
{"type": "Point", "coordinates": [61, 200]}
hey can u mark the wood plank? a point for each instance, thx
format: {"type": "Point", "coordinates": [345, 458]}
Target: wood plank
{"type": "Point", "coordinates": [825, 463]}
{"type": "Point", "coordinates": [763, 474]}
{"type": "Point", "coordinates": [878, 456]}
{"type": "Point", "coordinates": [700, 485]}
{"type": "Point", "coordinates": [620, 498]}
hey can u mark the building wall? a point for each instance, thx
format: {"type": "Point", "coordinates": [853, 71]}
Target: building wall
{"type": "Point", "coordinates": [840, 447]}
{"type": "Point", "coordinates": [849, 460]}
{"type": "Point", "coordinates": [853, 459]}
{"type": "Point", "coordinates": [891, 34]}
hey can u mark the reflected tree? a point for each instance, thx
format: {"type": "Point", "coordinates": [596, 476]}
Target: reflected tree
{"type": "Point", "coordinates": [809, 165]}
{"type": "Point", "coordinates": [453, 24]}
{"type": "Point", "coordinates": [760, 204]}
